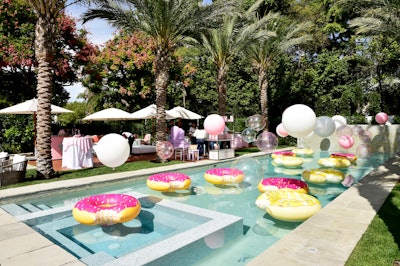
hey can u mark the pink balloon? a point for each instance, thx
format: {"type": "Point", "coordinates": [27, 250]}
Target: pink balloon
{"type": "Point", "coordinates": [214, 124]}
{"type": "Point", "coordinates": [346, 141]}
{"type": "Point", "coordinates": [280, 131]}
{"type": "Point", "coordinates": [381, 118]}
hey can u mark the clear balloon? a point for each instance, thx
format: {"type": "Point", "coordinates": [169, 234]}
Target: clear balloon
{"type": "Point", "coordinates": [256, 122]}
{"type": "Point", "coordinates": [164, 149]}
{"type": "Point", "coordinates": [280, 131]}
{"type": "Point", "coordinates": [324, 126]}
{"type": "Point", "coordinates": [346, 141]}
{"type": "Point", "coordinates": [344, 130]}
{"type": "Point", "coordinates": [253, 172]}
{"type": "Point", "coordinates": [249, 135]}
{"type": "Point", "coordinates": [267, 142]}
{"type": "Point", "coordinates": [299, 120]}
{"type": "Point", "coordinates": [112, 150]}
{"type": "Point", "coordinates": [364, 151]}
{"type": "Point", "coordinates": [339, 120]}
{"type": "Point", "coordinates": [214, 124]}
{"type": "Point", "coordinates": [381, 118]}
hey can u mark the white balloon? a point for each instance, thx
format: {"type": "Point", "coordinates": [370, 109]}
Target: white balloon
{"type": "Point", "coordinates": [299, 120]}
{"type": "Point", "coordinates": [339, 120]}
{"type": "Point", "coordinates": [112, 150]}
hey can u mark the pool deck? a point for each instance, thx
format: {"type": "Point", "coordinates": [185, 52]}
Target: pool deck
{"type": "Point", "coordinates": [327, 238]}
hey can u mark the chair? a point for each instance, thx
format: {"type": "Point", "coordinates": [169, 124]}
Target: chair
{"type": "Point", "coordinates": [4, 156]}
{"type": "Point", "coordinates": [13, 171]}
{"type": "Point", "coordinates": [147, 139]}
{"type": "Point", "coordinates": [193, 153]}
{"type": "Point", "coordinates": [179, 153]}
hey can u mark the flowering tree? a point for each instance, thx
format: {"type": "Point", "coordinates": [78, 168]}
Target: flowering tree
{"type": "Point", "coordinates": [18, 65]}
{"type": "Point", "coordinates": [121, 74]}
{"type": "Point", "coordinates": [40, 49]}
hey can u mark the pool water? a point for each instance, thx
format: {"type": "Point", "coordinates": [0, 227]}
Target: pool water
{"type": "Point", "coordinates": [259, 230]}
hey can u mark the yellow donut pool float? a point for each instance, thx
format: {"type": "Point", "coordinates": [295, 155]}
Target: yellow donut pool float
{"type": "Point", "coordinates": [288, 161]}
{"type": "Point", "coordinates": [323, 176]}
{"type": "Point", "coordinates": [349, 156]}
{"type": "Point", "coordinates": [276, 154]}
{"type": "Point", "coordinates": [303, 152]}
{"type": "Point", "coordinates": [334, 162]}
{"type": "Point", "coordinates": [288, 206]}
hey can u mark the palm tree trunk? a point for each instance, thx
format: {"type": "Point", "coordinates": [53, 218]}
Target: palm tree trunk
{"type": "Point", "coordinates": [44, 52]}
{"type": "Point", "coordinates": [263, 85]}
{"type": "Point", "coordinates": [162, 79]}
{"type": "Point", "coordinates": [221, 88]}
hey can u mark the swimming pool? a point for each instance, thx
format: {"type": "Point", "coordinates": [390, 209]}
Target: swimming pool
{"type": "Point", "coordinates": [259, 230]}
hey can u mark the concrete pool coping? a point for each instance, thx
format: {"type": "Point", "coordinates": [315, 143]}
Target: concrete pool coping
{"type": "Point", "coordinates": [327, 238]}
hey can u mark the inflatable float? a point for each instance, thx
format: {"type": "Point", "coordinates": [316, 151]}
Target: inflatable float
{"type": "Point", "coordinates": [282, 184]}
{"type": "Point", "coordinates": [349, 156]}
{"type": "Point", "coordinates": [168, 182]}
{"type": "Point", "coordinates": [276, 154]}
{"type": "Point", "coordinates": [334, 162]}
{"type": "Point", "coordinates": [288, 161]}
{"type": "Point", "coordinates": [106, 209]}
{"type": "Point", "coordinates": [323, 176]}
{"type": "Point", "coordinates": [223, 176]}
{"type": "Point", "coordinates": [303, 152]}
{"type": "Point", "coordinates": [288, 206]}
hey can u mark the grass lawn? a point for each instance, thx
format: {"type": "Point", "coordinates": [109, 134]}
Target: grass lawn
{"type": "Point", "coordinates": [380, 244]}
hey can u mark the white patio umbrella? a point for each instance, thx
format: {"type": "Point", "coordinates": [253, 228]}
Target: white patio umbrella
{"type": "Point", "coordinates": [180, 112]}
{"type": "Point", "coordinates": [109, 114]}
{"type": "Point", "coordinates": [149, 112]}
{"type": "Point", "coordinates": [30, 107]}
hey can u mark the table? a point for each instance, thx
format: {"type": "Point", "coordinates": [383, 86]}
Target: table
{"type": "Point", "coordinates": [56, 147]}
{"type": "Point", "coordinates": [77, 152]}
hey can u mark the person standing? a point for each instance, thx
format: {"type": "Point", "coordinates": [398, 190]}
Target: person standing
{"type": "Point", "coordinates": [191, 131]}
{"type": "Point", "coordinates": [201, 135]}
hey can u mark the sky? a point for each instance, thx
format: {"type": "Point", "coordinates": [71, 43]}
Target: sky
{"type": "Point", "coordinates": [99, 33]}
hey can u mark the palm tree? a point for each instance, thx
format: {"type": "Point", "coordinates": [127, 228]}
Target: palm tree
{"type": "Point", "coordinates": [168, 23]}
{"type": "Point", "coordinates": [45, 49]}
{"type": "Point", "coordinates": [261, 54]}
{"type": "Point", "coordinates": [375, 16]}
{"type": "Point", "coordinates": [229, 40]}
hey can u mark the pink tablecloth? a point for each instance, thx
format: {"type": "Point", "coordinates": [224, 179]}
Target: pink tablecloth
{"type": "Point", "coordinates": [56, 147]}
{"type": "Point", "coordinates": [77, 153]}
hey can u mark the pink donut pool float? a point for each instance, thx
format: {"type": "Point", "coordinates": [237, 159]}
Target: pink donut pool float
{"type": "Point", "coordinates": [222, 176]}
{"type": "Point", "coordinates": [283, 184]}
{"type": "Point", "coordinates": [168, 182]}
{"type": "Point", "coordinates": [106, 209]}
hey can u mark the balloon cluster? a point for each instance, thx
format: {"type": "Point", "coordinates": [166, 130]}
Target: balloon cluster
{"type": "Point", "coordinates": [299, 121]}
{"type": "Point", "coordinates": [254, 124]}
